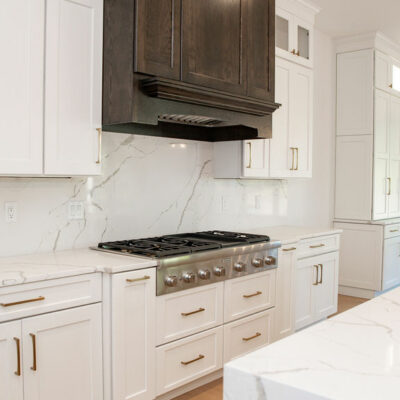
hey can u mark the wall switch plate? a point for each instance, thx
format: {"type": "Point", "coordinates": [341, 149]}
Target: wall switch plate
{"type": "Point", "coordinates": [76, 210]}
{"type": "Point", "coordinates": [10, 211]}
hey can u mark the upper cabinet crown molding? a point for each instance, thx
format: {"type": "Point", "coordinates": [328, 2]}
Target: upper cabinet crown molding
{"type": "Point", "coordinates": [52, 75]}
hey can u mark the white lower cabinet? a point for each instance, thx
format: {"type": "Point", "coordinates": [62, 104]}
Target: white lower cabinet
{"type": "Point", "coordinates": [391, 263]}
{"type": "Point", "coordinates": [188, 359]}
{"type": "Point", "coordinates": [316, 288]}
{"type": "Point", "coordinates": [53, 356]}
{"type": "Point", "coordinates": [248, 334]}
{"type": "Point", "coordinates": [133, 335]}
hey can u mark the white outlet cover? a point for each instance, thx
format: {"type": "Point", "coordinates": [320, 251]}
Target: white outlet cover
{"type": "Point", "coordinates": [10, 211]}
{"type": "Point", "coordinates": [76, 210]}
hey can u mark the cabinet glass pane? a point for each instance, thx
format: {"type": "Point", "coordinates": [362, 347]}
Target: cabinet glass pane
{"type": "Point", "coordinates": [282, 33]}
{"type": "Point", "coordinates": [396, 77]}
{"type": "Point", "coordinates": [303, 37]}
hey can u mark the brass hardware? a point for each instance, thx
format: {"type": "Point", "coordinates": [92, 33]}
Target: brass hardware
{"type": "Point", "coordinates": [289, 249]}
{"type": "Point", "coordinates": [391, 86]}
{"type": "Point", "coordinates": [16, 303]}
{"type": "Point", "coordinates": [34, 365]}
{"type": "Point", "coordinates": [316, 280]}
{"type": "Point", "coordinates": [394, 230]}
{"type": "Point", "coordinates": [292, 148]}
{"type": "Point", "coordinates": [390, 186]}
{"type": "Point", "coordinates": [186, 314]}
{"type": "Point", "coordinates": [297, 158]}
{"type": "Point", "coordinates": [298, 53]}
{"type": "Point", "coordinates": [18, 343]}
{"type": "Point", "coordinates": [99, 146]}
{"type": "Point", "coordinates": [144, 278]}
{"type": "Point", "coordinates": [315, 246]}
{"type": "Point", "coordinates": [250, 160]}
{"type": "Point", "coordinates": [293, 52]}
{"type": "Point", "coordinates": [246, 339]}
{"type": "Point", "coordinates": [200, 357]}
{"type": "Point", "coordinates": [247, 296]}
{"type": "Point", "coordinates": [322, 268]}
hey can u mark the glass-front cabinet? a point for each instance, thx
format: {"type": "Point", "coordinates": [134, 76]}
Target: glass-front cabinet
{"type": "Point", "coordinates": [293, 38]}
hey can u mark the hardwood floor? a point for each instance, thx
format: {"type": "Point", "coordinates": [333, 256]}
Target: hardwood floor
{"type": "Point", "coordinates": [213, 390]}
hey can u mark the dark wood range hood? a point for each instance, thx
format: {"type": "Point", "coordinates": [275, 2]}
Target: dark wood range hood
{"type": "Point", "coordinates": [189, 69]}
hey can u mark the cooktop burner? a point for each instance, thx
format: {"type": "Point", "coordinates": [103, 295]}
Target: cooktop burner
{"type": "Point", "coordinates": [179, 244]}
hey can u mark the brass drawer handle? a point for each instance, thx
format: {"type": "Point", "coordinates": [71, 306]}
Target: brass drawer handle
{"type": "Point", "coordinates": [186, 314]}
{"type": "Point", "coordinates": [289, 249]}
{"type": "Point", "coordinates": [247, 296]}
{"type": "Point", "coordinates": [250, 160]}
{"type": "Point", "coordinates": [99, 146]}
{"type": "Point", "coordinates": [34, 364]}
{"type": "Point", "coordinates": [297, 158]}
{"type": "Point", "coordinates": [18, 343]}
{"type": "Point", "coordinates": [200, 357]}
{"type": "Point", "coordinates": [293, 149]}
{"type": "Point", "coordinates": [144, 278]}
{"type": "Point", "coordinates": [317, 279]}
{"type": "Point", "coordinates": [16, 303]}
{"type": "Point", "coordinates": [394, 230]}
{"type": "Point", "coordinates": [246, 339]}
{"type": "Point", "coordinates": [322, 269]}
{"type": "Point", "coordinates": [315, 246]}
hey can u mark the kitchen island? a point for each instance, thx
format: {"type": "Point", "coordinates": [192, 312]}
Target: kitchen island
{"type": "Point", "coordinates": [355, 355]}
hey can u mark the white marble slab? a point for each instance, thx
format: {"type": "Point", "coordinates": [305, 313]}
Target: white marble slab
{"type": "Point", "coordinates": [39, 267]}
{"type": "Point", "coordinates": [355, 355]}
{"type": "Point", "coordinates": [292, 234]}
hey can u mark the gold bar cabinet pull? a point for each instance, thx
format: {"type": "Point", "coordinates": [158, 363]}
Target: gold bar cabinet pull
{"type": "Point", "coordinates": [394, 230]}
{"type": "Point", "coordinates": [16, 303]}
{"type": "Point", "coordinates": [99, 146]}
{"type": "Point", "coordinates": [144, 278]}
{"type": "Point", "coordinates": [322, 268]}
{"type": "Point", "coordinates": [315, 246]}
{"type": "Point", "coordinates": [246, 339]}
{"type": "Point", "coordinates": [34, 364]}
{"type": "Point", "coordinates": [292, 168]}
{"type": "Point", "coordinates": [390, 186]}
{"type": "Point", "coordinates": [250, 160]}
{"type": "Point", "coordinates": [18, 343]}
{"type": "Point", "coordinates": [289, 249]}
{"type": "Point", "coordinates": [297, 158]}
{"type": "Point", "coordinates": [317, 278]}
{"type": "Point", "coordinates": [247, 296]}
{"type": "Point", "coordinates": [186, 314]}
{"type": "Point", "coordinates": [200, 357]}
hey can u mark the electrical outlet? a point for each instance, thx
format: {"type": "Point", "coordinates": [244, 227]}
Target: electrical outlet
{"type": "Point", "coordinates": [10, 211]}
{"type": "Point", "coordinates": [76, 210]}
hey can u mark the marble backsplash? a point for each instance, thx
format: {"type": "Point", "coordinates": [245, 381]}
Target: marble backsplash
{"type": "Point", "coordinates": [149, 186]}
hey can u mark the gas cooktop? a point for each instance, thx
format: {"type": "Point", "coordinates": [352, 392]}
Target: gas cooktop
{"type": "Point", "coordinates": [180, 244]}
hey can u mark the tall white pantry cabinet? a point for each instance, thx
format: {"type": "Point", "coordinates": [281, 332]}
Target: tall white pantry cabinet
{"type": "Point", "coordinates": [51, 81]}
{"type": "Point", "coordinates": [367, 197]}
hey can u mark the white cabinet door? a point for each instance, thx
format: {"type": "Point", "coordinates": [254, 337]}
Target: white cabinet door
{"type": "Point", "coordinates": [21, 83]}
{"type": "Point", "coordinates": [394, 168]}
{"type": "Point", "coordinates": [303, 34]}
{"type": "Point", "coordinates": [383, 79]}
{"type": "Point", "coordinates": [11, 386]}
{"type": "Point", "coordinates": [306, 279]}
{"type": "Point", "coordinates": [281, 156]}
{"type": "Point", "coordinates": [381, 155]}
{"type": "Point", "coordinates": [326, 296]}
{"type": "Point", "coordinates": [391, 263]}
{"type": "Point", "coordinates": [255, 156]}
{"type": "Point", "coordinates": [285, 291]}
{"type": "Point", "coordinates": [63, 355]}
{"type": "Point", "coordinates": [133, 335]}
{"type": "Point", "coordinates": [73, 87]}
{"type": "Point", "coordinates": [301, 120]}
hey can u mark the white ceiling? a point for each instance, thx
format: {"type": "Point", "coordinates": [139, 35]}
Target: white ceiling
{"type": "Point", "coordinates": [347, 17]}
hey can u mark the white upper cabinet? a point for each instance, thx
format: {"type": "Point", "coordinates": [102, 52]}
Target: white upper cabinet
{"type": "Point", "coordinates": [256, 158]}
{"type": "Point", "coordinates": [51, 72]}
{"type": "Point", "coordinates": [387, 73]}
{"type": "Point", "coordinates": [73, 87]}
{"type": "Point", "coordinates": [21, 83]}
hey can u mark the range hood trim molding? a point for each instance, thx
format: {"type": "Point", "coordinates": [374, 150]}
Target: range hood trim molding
{"type": "Point", "coordinates": [169, 89]}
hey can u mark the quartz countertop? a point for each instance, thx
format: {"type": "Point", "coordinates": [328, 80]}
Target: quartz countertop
{"type": "Point", "coordinates": [355, 355]}
{"type": "Point", "coordinates": [43, 266]}
{"type": "Point", "coordinates": [292, 234]}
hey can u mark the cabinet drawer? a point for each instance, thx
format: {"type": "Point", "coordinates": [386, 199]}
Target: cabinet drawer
{"type": "Point", "coordinates": [319, 245]}
{"type": "Point", "coordinates": [184, 313]}
{"type": "Point", "coordinates": [249, 294]}
{"type": "Point", "coordinates": [188, 359]}
{"type": "Point", "coordinates": [56, 294]}
{"type": "Point", "coordinates": [247, 334]}
{"type": "Point", "coordinates": [392, 231]}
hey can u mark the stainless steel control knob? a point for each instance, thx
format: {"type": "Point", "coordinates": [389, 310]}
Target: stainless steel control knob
{"type": "Point", "coordinates": [204, 274]}
{"type": "Point", "coordinates": [171, 281]}
{"type": "Point", "coordinates": [257, 262]}
{"type": "Point", "coordinates": [239, 266]}
{"type": "Point", "coordinates": [270, 260]}
{"type": "Point", "coordinates": [189, 277]}
{"type": "Point", "coordinates": [219, 271]}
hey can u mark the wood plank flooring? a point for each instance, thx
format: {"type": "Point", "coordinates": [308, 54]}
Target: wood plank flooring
{"type": "Point", "coordinates": [213, 390]}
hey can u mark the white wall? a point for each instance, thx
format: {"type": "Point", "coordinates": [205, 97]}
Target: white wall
{"type": "Point", "coordinates": [150, 188]}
